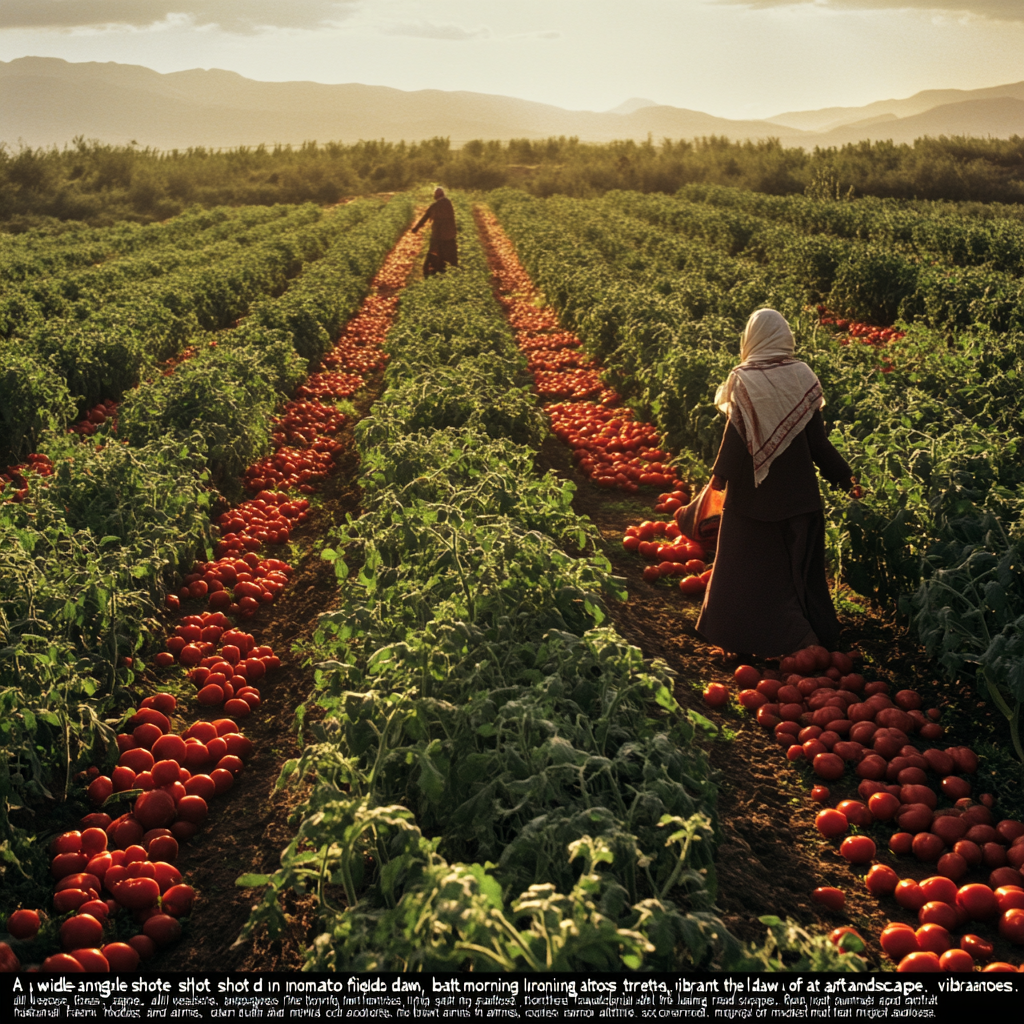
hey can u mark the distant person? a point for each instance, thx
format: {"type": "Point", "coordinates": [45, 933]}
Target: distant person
{"type": "Point", "coordinates": [443, 248]}
{"type": "Point", "coordinates": [768, 593]}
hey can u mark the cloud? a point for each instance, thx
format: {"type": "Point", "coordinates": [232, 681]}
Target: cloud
{"type": "Point", "coordinates": [427, 30]}
{"type": "Point", "coordinates": [239, 16]}
{"type": "Point", "coordinates": [998, 10]}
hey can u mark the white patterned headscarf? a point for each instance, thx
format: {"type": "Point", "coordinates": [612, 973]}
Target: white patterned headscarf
{"type": "Point", "coordinates": [770, 397]}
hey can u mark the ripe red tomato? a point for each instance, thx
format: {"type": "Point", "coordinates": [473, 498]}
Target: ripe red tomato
{"type": "Point", "coordinates": [66, 900]}
{"type": "Point", "coordinates": [936, 912]}
{"type": "Point", "coordinates": [162, 929]}
{"type": "Point", "coordinates": [881, 880]}
{"type": "Point", "coordinates": [1008, 896]}
{"type": "Point", "coordinates": [746, 676]}
{"type": "Point", "coordinates": [690, 586]}
{"type": "Point", "coordinates": [858, 849]}
{"type": "Point", "coordinates": [62, 963]}
{"type": "Point", "coordinates": [898, 940]}
{"type": "Point", "coordinates": [751, 699]}
{"type": "Point", "coordinates": [830, 823]}
{"type": "Point", "coordinates": [978, 901]}
{"type": "Point", "coordinates": [940, 888]}
{"type": "Point", "coordinates": [830, 897]}
{"type": "Point", "coordinates": [138, 893]}
{"type": "Point", "coordinates": [1011, 926]}
{"type": "Point", "coordinates": [900, 843]}
{"type": "Point", "coordinates": [82, 931]}
{"type": "Point", "coordinates": [155, 809]}
{"type": "Point", "coordinates": [177, 900]}
{"type": "Point", "coordinates": [910, 895]}
{"type": "Point", "coordinates": [883, 806]}
{"type": "Point", "coordinates": [828, 766]}
{"type": "Point", "coordinates": [956, 960]}
{"type": "Point", "coordinates": [143, 945]}
{"type": "Point", "coordinates": [927, 846]}
{"type": "Point", "coordinates": [819, 793]}
{"type": "Point", "coordinates": [978, 947]}
{"type": "Point", "coordinates": [933, 938]}
{"type": "Point", "coordinates": [716, 694]}
{"type": "Point", "coordinates": [121, 956]}
{"type": "Point", "coordinates": [23, 924]}
{"type": "Point", "coordinates": [856, 812]}
{"type": "Point", "coordinates": [952, 865]}
{"type": "Point", "coordinates": [192, 809]}
{"type": "Point", "coordinates": [91, 959]}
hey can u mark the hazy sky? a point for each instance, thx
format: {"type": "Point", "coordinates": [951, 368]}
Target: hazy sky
{"type": "Point", "coordinates": [734, 58]}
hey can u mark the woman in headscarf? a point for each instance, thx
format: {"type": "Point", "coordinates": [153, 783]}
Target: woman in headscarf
{"type": "Point", "coordinates": [768, 594]}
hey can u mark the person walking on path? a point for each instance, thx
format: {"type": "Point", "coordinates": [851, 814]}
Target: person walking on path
{"type": "Point", "coordinates": [768, 594]}
{"type": "Point", "coordinates": [443, 248]}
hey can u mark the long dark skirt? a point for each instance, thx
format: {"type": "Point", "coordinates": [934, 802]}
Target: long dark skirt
{"type": "Point", "coordinates": [443, 253]}
{"type": "Point", "coordinates": [768, 593]}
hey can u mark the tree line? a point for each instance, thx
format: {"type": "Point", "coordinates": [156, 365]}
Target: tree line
{"type": "Point", "coordinates": [98, 184]}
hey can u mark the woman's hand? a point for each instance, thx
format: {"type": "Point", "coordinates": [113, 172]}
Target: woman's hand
{"type": "Point", "coordinates": [717, 483]}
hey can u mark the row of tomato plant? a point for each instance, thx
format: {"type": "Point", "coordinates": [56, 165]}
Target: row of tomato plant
{"type": "Point", "coordinates": [935, 440]}
{"type": "Point", "coordinates": [60, 248]}
{"type": "Point", "coordinates": [76, 339]}
{"type": "Point", "coordinates": [835, 720]}
{"type": "Point", "coordinates": [79, 293]}
{"type": "Point", "coordinates": [87, 557]}
{"type": "Point", "coordinates": [169, 776]}
{"type": "Point", "coordinates": [960, 234]}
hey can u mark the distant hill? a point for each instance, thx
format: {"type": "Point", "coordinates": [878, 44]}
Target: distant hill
{"type": "Point", "coordinates": [836, 117]}
{"type": "Point", "coordinates": [1000, 118]}
{"type": "Point", "coordinates": [48, 101]}
{"type": "Point", "coordinates": [632, 105]}
{"type": "Point", "coordinates": [45, 101]}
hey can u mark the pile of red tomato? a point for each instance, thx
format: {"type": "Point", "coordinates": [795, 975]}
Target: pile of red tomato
{"type": "Point", "coordinates": [292, 466]}
{"type": "Point", "coordinates": [359, 349]}
{"type": "Point", "coordinates": [96, 417]}
{"type": "Point", "coordinates": [670, 554]}
{"type": "Point", "coordinates": [574, 384]}
{"type": "Point", "coordinates": [556, 360]}
{"type": "Point", "coordinates": [235, 585]}
{"type": "Point", "coordinates": [854, 330]}
{"type": "Point", "coordinates": [266, 519]}
{"type": "Point", "coordinates": [14, 476]}
{"type": "Point", "coordinates": [226, 676]}
{"type": "Point", "coordinates": [866, 334]}
{"type": "Point", "coordinates": [827, 715]}
{"type": "Point", "coordinates": [395, 271]}
{"type": "Point", "coordinates": [610, 447]}
{"type": "Point", "coordinates": [125, 865]}
{"type": "Point", "coordinates": [330, 384]}
{"type": "Point", "coordinates": [547, 344]}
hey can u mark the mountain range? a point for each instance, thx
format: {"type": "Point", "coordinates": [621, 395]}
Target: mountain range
{"type": "Point", "coordinates": [45, 101]}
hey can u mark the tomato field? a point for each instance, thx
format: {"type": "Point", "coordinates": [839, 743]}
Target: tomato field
{"type": "Point", "coordinates": [346, 624]}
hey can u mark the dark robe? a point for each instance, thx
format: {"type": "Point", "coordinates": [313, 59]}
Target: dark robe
{"type": "Point", "coordinates": [443, 247]}
{"type": "Point", "coordinates": [768, 594]}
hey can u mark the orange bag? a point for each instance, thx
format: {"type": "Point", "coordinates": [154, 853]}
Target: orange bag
{"type": "Point", "coordinates": [701, 518]}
